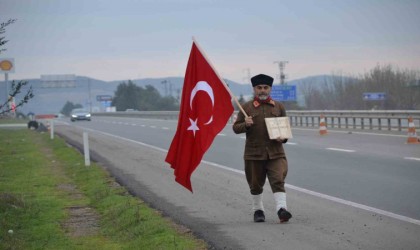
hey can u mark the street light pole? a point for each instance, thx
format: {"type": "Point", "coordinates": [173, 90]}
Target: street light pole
{"type": "Point", "coordinates": [166, 86]}
{"type": "Point", "coordinates": [90, 99]}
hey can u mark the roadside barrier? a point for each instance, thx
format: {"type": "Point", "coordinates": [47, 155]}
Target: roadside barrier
{"type": "Point", "coordinates": [47, 122]}
{"type": "Point", "coordinates": [412, 135]}
{"type": "Point", "coordinates": [391, 120]}
{"type": "Point", "coordinates": [322, 126]}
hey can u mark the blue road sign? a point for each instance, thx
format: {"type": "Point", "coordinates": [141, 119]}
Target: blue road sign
{"type": "Point", "coordinates": [106, 104]}
{"type": "Point", "coordinates": [374, 96]}
{"type": "Point", "coordinates": [284, 93]}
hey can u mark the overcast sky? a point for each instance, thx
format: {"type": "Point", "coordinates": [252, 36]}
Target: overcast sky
{"type": "Point", "coordinates": [122, 39]}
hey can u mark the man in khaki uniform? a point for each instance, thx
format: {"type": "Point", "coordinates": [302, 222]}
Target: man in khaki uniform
{"type": "Point", "coordinates": [263, 157]}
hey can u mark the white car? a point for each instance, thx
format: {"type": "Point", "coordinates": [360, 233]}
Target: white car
{"type": "Point", "coordinates": [80, 114]}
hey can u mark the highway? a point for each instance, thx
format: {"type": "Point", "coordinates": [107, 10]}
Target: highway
{"type": "Point", "coordinates": [371, 172]}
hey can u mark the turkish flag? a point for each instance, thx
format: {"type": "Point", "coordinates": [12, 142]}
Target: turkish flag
{"type": "Point", "coordinates": [205, 109]}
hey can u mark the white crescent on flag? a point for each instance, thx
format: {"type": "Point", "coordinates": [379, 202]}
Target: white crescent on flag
{"type": "Point", "coordinates": [203, 86]}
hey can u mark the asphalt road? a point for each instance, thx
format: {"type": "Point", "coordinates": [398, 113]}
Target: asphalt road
{"type": "Point", "coordinates": [346, 191]}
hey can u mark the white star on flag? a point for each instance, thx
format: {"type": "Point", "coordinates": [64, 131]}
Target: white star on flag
{"type": "Point", "coordinates": [193, 126]}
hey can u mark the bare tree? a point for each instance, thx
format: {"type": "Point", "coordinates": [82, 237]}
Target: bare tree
{"type": "Point", "coordinates": [401, 88]}
{"type": "Point", "coordinates": [16, 87]}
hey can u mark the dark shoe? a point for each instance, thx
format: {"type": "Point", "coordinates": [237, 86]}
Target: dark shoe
{"type": "Point", "coordinates": [259, 216]}
{"type": "Point", "coordinates": [284, 215]}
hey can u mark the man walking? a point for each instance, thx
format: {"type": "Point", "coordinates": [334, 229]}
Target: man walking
{"type": "Point", "coordinates": [264, 158]}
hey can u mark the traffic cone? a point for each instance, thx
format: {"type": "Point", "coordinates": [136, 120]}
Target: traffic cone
{"type": "Point", "coordinates": [412, 135]}
{"type": "Point", "coordinates": [322, 125]}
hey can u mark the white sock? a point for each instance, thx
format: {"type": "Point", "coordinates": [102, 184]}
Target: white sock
{"type": "Point", "coordinates": [280, 199]}
{"type": "Point", "coordinates": [257, 203]}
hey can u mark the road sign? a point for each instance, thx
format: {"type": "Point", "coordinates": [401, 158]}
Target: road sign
{"type": "Point", "coordinates": [284, 93]}
{"type": "Point", "coordinates": [374, 96]}
{"type": "Point", "coordinates": [106, 104]}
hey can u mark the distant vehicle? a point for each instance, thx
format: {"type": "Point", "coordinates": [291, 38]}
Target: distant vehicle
{"type": "Point", "coordinates": [80, 114]}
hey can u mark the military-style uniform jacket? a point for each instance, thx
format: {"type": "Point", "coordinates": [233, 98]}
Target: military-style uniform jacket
{"type": "Point", "coordinates": [258, 145]}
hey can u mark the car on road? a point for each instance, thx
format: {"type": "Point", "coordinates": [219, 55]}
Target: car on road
{"type": "Point", "coordinates": [80, 114]}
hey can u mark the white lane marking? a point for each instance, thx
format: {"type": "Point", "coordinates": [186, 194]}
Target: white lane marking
{"type": "Point", "coordinates": [291, 143]}
{"type": "Point", "coordinates": [243, 137]}
{"type": "Point", "coordinates": [356, 205]}
{"type": "Point", "coordinates": [332, 198]}
{"type": "Point", "coordinates": [153, 126]}
{"type": "Point", "coordinates": [349, 131]}
{"type": "Point", "coordinates": [412, 158]}
{"type": "Point", "coordinates": [221, 134]}
{"type": "Point", "coordinates": [165, 128]}
{"type": "Point", "coordinates": [143, 125]}
{"type": "Point", "coordinates": [320, 195]}
{"type": "Point", "coordinates": [341, 149]}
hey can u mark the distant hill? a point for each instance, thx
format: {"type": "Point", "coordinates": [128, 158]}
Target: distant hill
{"type": "Point", "coordinates": [52, 100]}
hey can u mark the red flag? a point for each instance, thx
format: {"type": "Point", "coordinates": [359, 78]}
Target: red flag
{"type": "Point", "coordinates": [205, 109]}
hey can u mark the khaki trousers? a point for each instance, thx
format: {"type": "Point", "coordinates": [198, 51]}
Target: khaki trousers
{"type": "Point", "coordinates": [257, 171]}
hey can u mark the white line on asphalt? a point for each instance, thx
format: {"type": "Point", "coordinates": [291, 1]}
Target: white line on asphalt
{"type": "Point", "coordinates": [222, 134]}
{"type": "Point", "coordinates": [320, 195]}
{"type": "Point", "coordinates": [412, 158]}
{"type": "Point", "coordinates": [165, 128]}
{"type": "Point", "coordinates": [153, 126]}
{"type": "Point", "coordinates": [357, 205]}
{"type": "Point", "coordinates": [349, 131]}
{"type": "Point", "coordinates": [341, 149]}
{"type": "Point", "coordinates": [291, 143]}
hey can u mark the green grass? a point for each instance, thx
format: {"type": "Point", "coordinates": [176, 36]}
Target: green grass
{"type": "Point", "coordinates": [34, 204]}
{"type": "Point", "coordinates": [13, 121]}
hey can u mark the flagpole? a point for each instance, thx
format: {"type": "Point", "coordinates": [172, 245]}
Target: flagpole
{"type": "Point", "coordinates": [220, 78]}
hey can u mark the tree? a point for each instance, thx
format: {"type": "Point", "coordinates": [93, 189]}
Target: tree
{"type": "Point", "coordinates": [126, 96]}
{"type": "Point", "coordinates": [9, 104]}
{"type": "Point", "coordinates": [68, 107]}
{"type": "Point", "coordinates": [130, 96]}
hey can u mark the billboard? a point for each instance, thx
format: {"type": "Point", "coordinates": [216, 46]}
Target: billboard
{"type": "Point", "coordinates": [58, 81]}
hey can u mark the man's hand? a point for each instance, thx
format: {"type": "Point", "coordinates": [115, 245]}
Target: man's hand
{"type": "Point", "coordinates": [248, 121]}
{"type": "Point", "coordinates": [279, 139]}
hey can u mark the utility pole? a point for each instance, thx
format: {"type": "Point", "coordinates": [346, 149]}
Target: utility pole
{"type": "Point", "coordinates": [247, 78]}
{"type": "Point", "coordinates": [282, 65]}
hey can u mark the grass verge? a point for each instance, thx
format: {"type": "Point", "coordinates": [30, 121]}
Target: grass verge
{"type": "Point", "coordinates": [50, 200]}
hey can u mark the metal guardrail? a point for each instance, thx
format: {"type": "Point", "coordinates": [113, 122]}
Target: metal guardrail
{"type": "Point", "coordinates": [356, 119]}
{"type": "Point", "coordinates": [345, 119]}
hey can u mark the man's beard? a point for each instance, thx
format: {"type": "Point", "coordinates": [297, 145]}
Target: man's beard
{"type": "Point", "coordinates": [263, 97]}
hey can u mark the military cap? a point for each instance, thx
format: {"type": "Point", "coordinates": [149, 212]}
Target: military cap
{"type": "Point", "coordinates": [262, 79]}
